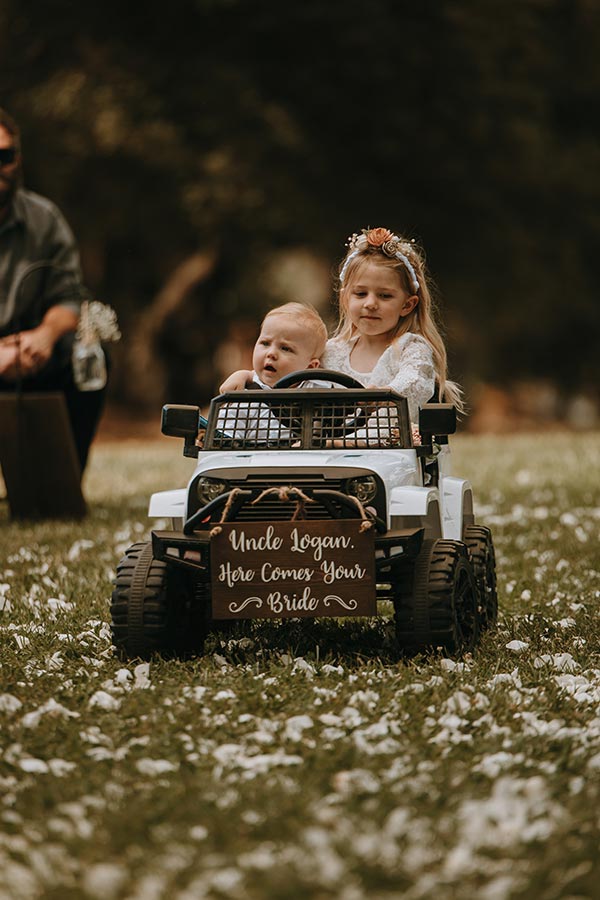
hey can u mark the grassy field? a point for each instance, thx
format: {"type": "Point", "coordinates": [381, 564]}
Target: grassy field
{"type": "Point", "coordinates": [304, 760]}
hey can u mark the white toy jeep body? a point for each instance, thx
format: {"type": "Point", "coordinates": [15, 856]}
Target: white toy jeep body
{"type": "Point", "coordinates": [310, 503]}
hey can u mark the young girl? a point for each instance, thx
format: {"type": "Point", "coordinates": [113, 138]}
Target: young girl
{"type": "Point", "coordinates": [387, 336]}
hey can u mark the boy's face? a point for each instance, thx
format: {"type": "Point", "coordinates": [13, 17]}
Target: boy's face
{"type": "Point", "coordinates": [283, 346]}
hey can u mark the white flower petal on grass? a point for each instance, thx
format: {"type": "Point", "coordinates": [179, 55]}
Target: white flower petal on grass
{"type": "Point", "coordinates": [594, 763]}
{"type": "Point", "coordinates": [57, 604]}
{"type": "Point", "coordinates": [495, 763]}
{"type": "Point", "coordinates": [75, 549]}
{"type": "Point", "coordinates": [261, 858]}
{"type": "Point", "coordinates": [147, 766]}
{"type": "Point", "coordinates": [517, 646]}
{"type": "Point", "coordinates": [226, 880]}
{"type": "Point", "coordinates": [33, 766]}
{"type": "Point", "coordinates": [103, 700]}
{"type": "Point", "coordinates": [460, 702]}
{"type": "Point", "coordinates": [197, 693]}
{"type": "Point", "coordinates": [9, 703]}
{"type": "Point", "coordinates": [233, 756]}
{"type": "Point", "coordinates": [141, 676]}
{"type": "Point", "coordinates": [303, 667]}
{"type": "Point", "coordinates": [564, 662]}
{"type": "Point", "coordinates": [225, 695]}
{"type": "Point", "coordinates": [355, 781]}
{"type": "Point", "coordinates": [198, 833]}
{"type": "Point", "coordinates": [330, 719]}
{"type": "Point", "coordinates": [22, 641]}
{"type": "Point", "coordinates": [450, 665]}
{"type": "Point", "coordinates": [220, 660]}
{"type": "Point", "coordinates": [51, 708]}
{"type": "Point", "coordinates": [104, 880]}
{"type": "Point", "coordinates": [327, 669]}
{"type": "Point", "coordinates": [5, 604]}
{"type": "Point", "coordinates": [122, 678]}
{"type": "Point", "coordinates": [569, 520]}
{"type": "Point", "coordinates": [506, 678]}
{"type": "Point", "coordinates": [295, 726]}
{"type": "Point", "coordinates": [61, 767]}
{"type": "Point", "coordinates": [516, 812]}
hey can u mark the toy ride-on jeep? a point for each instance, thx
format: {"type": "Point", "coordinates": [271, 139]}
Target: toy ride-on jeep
{"type": "Point", "coordinates": [307, 503]}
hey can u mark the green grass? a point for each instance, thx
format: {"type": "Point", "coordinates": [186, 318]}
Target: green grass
{"type": "Point", "coordinates": [301, 759]}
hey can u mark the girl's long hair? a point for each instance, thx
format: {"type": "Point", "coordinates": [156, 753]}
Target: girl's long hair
{"type": "Point", "coordinates": [422, 319]}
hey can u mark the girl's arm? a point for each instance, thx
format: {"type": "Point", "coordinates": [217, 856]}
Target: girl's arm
{"type": "Point", "coordinates": [414, 377]}
{"type": "Point", "coordinates": [236, 381]}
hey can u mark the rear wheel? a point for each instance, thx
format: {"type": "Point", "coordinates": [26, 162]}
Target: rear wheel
{"type": "Point", "coordinates": [436, 603]}
{"type": "Point", "coordinates": [154, 608]}
{"type": "Point", "coordinates": [481, 551]}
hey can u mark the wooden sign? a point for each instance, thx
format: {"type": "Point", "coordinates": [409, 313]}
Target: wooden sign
{"type": "Point", "coordinates": [293, 569]}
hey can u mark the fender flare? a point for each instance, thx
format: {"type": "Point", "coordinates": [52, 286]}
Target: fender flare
{"type": "Point", "coordinates": [170, 504]}
{"type": "Point", "coordinates": [457, 505]}
{"type": "Point", "coordinates": [416, 507]}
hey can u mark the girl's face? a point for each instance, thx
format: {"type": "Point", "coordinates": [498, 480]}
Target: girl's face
{"type": "Point", "coordinates": [377, 300]}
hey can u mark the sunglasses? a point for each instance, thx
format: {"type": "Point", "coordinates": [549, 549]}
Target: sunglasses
{"type": "Point", "coordinates": [7, 155]}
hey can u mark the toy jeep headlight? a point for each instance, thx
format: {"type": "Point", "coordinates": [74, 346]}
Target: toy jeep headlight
{"type": "Point", "coordinates": [363, 488]}
{"type": "Point", "coordinates": [208, 489]}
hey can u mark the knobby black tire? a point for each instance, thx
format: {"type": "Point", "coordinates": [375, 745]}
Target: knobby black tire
{"type": "Point", "coordinates": [436, 603]}
{"type": "Point", "coordinates": [479, 542]}
{"type": "Point", "coordinates": [153, 608]}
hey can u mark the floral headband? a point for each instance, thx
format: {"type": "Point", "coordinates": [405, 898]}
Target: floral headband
{"type": "Point", "coordinates": [381, 239]}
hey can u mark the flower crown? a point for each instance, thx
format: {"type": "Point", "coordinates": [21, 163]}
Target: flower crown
{"type": "Point", "coordinates": [381, 239]}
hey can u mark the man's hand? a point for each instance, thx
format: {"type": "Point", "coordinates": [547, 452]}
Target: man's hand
{"type": "Point", "coordinates": [36, 348]}
{"type": "Point", "coordinates": [237, 381]}
{"type": "Point", "coordinates": [8, 359]}
{"type": "Point", "coordinates": [29, 351]}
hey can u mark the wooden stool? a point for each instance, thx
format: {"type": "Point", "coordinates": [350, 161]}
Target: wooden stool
{"type": "Point", "coordinates": [38, 457]}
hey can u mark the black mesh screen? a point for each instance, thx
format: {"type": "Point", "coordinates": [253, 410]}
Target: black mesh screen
{"type": "Point", "coordinates": [308, 419]}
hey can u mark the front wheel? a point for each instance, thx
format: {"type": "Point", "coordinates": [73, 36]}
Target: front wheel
{"type": "Point", "coordinates": [436, 603]}
{"type": "Point", "coordinates": [154, 608]}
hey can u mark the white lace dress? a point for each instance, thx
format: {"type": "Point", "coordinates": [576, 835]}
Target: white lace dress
{"type": "Point", "coordinates": [406, 366]}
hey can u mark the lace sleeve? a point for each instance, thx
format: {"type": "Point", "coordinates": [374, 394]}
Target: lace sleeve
{"type": "Point", "coordinates": [414, 376]}
{"type": "Point", "coordinates": [335, 356]}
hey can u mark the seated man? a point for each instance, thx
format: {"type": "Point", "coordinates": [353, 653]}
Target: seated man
{"type": "Point", "coordinates": [40, 295]}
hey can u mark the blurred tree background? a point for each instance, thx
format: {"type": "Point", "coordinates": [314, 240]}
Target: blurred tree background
{"type": "Point", "coordinates": [213, 156]}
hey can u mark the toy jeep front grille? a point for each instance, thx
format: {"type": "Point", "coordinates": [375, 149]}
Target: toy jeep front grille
{"type": "Point", "coordinates": [273, 508]}
{"type": "Point", "coordinates": [307, 419]}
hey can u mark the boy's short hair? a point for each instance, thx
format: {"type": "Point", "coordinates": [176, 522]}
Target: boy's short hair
{"type": "Point", "coordinates": [307, 315]}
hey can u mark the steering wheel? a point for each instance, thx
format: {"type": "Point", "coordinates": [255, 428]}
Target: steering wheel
{"type": "Point", "coordinates": [339, 424]}
{"type": "Point", "coordinates": [318, 375]}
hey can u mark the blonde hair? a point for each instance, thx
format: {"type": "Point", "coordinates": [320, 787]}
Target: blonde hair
{"type": "Point", "coordinates": [422, 319]}
{"type": "Point", "coordinates": [308, 316]}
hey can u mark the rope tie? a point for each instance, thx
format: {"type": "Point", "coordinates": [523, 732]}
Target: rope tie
{"type": "Point", "coordinates": [287, 494]}
{"type": "Point", "coordinates": [366, 522]}
{"type": "Point", "coordinates": [226, 510]}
